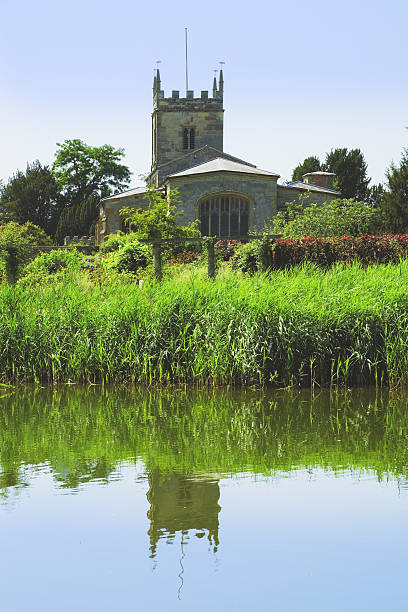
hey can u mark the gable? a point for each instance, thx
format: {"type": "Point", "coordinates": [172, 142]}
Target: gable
{"type": "Point", "coordinates": [190, 160]}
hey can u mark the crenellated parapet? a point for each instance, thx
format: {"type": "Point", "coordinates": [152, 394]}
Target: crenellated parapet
{"type": "Point", "coordinates": [183, 124]}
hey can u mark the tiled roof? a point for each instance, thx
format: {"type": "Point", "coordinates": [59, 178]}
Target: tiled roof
{"type": "Point", "coordinates": [221, 164]}
{"type": "Point", "coordinates": [309, 187]}
{"type": "Point", "coordinates": [126, 194]}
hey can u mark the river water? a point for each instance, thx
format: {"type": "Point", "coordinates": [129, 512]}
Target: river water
{"type": "Point", "coordinates": [123, 499]}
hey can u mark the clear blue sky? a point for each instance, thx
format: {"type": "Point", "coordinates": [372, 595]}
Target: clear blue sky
{"type": "Point", "coordinates": [300, 77]}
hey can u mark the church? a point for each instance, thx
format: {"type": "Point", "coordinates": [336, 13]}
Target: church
{"type": "Point", "coordinates": [229, 196]}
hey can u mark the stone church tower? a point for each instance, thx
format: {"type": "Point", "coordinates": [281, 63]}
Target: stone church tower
{"type": "Point", "coordinates": [230, 197]}
{"type": "Point", "coordinates": [183, 125]}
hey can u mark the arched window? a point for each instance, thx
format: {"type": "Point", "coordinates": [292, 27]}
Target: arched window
{"type": "Point", "coordinates": [188, 138]}
{"type": "Point", "coordinates": [224, 215]}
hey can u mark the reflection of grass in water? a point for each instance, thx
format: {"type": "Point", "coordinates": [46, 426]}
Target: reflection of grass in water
{"type": "Point", "coordinates": [84, 434]}
{"type": "Point", "coordinates": [303, 326]}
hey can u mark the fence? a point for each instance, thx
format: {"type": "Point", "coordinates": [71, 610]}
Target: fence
{"type": "Point", "coordinates": [210, 244]}
{"type": "Point", "coordinates": [12, 254]}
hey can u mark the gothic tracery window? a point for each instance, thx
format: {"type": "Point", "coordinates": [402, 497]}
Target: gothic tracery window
{"type": "Point", "coordinates": [224, 215]}
{"type": "Point", "coordinates": [188, 138]}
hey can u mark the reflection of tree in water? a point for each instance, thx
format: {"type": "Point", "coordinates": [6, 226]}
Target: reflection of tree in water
{"type": "Point", "coordinates": [180, 503]}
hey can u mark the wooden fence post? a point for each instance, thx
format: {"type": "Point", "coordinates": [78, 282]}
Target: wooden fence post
{"type": "Point", "coordinates": [157, 261]}
{"type": "Point", "coordinates": [264, 255]}
{"type": "Point", "coordinates": [211, 257]}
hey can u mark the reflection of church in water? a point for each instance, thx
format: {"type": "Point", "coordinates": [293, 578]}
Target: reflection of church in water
{"type": "Point", "coordinates": [180, 503]}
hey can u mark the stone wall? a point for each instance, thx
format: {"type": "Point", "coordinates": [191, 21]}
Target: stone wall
{"type": "Point", "coordinates": [79, 240]}
{"type": "Point", "coordinates": [260, 190]}
{"type": "Point", "coordinates": [172, 115]}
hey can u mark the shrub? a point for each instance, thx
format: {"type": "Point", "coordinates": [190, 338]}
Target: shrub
{"type": "Point", "coordinates": [323, 252]}
{"type": "Point", "coordinates": [16, 243]}
{"type": "Point", "coordinates": [336, 218]}
{"type": "Point", "coordinates": [131, 257]}
{"type": "Point", "coordinates": [114, 241]}
{"type": "Point", "coordinates": [51, 263]}
{"type": "Point", "coordinates": [246, 257]}
{"type": "Point", "coordinates": [226, 248]}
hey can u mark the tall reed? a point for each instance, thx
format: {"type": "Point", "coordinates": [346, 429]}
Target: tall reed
{"type": "Point", "coordinates": [344, 326]}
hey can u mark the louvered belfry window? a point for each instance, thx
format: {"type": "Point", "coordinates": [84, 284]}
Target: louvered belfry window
{"type": "Point", "coordinates": [188, 138]}
{"type": "Point", "coordinates": [224, 215]}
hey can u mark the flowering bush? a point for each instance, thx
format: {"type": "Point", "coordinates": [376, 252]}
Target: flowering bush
{"type": "Point", "coordinates": [324, 252]}
{"type": "Point", "coordinates": [226, 248]}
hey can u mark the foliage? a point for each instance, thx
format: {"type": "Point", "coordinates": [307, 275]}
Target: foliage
{"type": "Point", "coordinates": [227, 248]}
{"type": "Point", "coordinates": [374, 198]}
{"type": "Point", "coordinates": [27, 232]}
{"type": "Point", "coordinates": [367, 249]}
{"type": "Point", "coordinates": [78, 220]}
{"type": "Point", "coordinates": [159, 219]}
{"type": "Point", "coordinates": [335, 218]}
{"type": "Point", "coordinates": [347, 325]}
{"type": "Point", "coordinates": [246, 257]}
{"type": "Point", "coordinates": [16, 242]}
{"type": "Point", "coordinates": [85, 174]}
{"type": "Point", "coordinates": [32, 196]}
{"type": "Point", "coordinates": [350, 169]}
{"type": "Point", "coordinates": [83, 171]}
{"type": "Point", "coordinates": [131, 257]}
{"type": "Point", "coordinates": [50, 264]}
{"type": "Point", "coordinates": [310, 164]}
{"type": "Point", "coordinates": [394, 201]}
{"type": "Point", "coordinates": [113, 242]}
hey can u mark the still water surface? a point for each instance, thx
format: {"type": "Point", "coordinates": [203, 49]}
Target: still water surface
{"type": "Point", "coordinates": [117, 500]}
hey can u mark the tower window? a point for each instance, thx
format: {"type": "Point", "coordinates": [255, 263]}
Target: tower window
{"type": "Point", "coordinates": [188, 138]}
{"type": "Point", "coordinates": [224, 215]}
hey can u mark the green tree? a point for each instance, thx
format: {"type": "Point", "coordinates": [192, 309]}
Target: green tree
{"type": "Point", "coordinates": [394, 201]}
{"type": "Point", "coordinates": [310, 164]}
{"type": "Point", "coordinates": [32, 196]}
{"type": "Point", "coordinates": [159, 219]}
{"type": "Point", "coordinates": [16, 243]}
{"type": "Point", "coordinates": [85, 174]}
{"type": "Point", "coordinates": [350, 169]}
{"type": "Point", "coordinates": [336, 218]}
{"type": "Point", "coordinates": [82, 171]}
{"type": "Point", "coordinates": [78, 220]}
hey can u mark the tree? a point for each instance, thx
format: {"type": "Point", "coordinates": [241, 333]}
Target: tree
{"type": "Point", "coordinates": [85, 174]}
{"type": "Point", "coordinates": [78, 220]}
{"type": "Point", "coordinates": [82, 171]}
{"type": "Point", "coordinates": [336, 218]}
{"type": "Point", "coordinates": [310, 164]}
{"type": "Point", "coordinates": [31, 196]}
{"type": "Point", "coordinates": [394, 201]}
{"type": "Point", "coordinates": [350, 169]}
{"type": "Point", "coordinates": [15, 246]}
{"type": "Point", "coordinates": [375, 194]}
{"type": "Point", "coordinates": [159, 219]}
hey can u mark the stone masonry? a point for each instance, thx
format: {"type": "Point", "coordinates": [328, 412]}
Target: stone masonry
{"type": "Point", "coordinates": [187, 154]}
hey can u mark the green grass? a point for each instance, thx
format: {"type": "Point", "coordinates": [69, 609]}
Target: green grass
{"type": "Point", "coordinates": [345, 326]}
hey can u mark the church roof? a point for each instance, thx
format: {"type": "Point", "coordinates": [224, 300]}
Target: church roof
{"type": "Point", "coordinates": [136, 191]}
{"type": "Point", "coordinates": [220, 164]}
{"type": "Point", "coordinates": [308, 187]}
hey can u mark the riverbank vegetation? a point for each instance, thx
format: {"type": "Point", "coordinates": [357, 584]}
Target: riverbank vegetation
{"type": "Point", "coordinates": [303, 326]}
